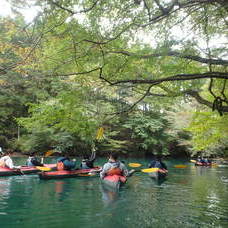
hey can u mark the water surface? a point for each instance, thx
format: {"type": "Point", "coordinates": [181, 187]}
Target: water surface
{"type": "Point", "coordinates": [190, 197]}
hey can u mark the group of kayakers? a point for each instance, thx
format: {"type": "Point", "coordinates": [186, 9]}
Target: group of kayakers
{"type": "Point", "coordinates": [112, 167]}
{"type": "Point", "coordinates": [65, 163]}
{"type": "Point", "coordinates": [204, 160]}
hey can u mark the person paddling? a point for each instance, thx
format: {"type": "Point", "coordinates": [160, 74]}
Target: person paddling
{"type": "Point", "coordinates": [33, 161]}
{"type": "Point", "coordinates": [157, 163]}
{"type": "Point", "coordinates": [113, 167]}
{"type": "Point", "coordinates": [6, 161]}
{"type": "Point", "coordinates": [64, 163]}
{"type": "Point", "coordinates": [87, 162]}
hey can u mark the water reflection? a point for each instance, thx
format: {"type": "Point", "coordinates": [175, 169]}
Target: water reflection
{"type": "Point", "coordinates": [62, 189]}
{"type": "Point", "coordinates": [5, 184]}
{"type": "Point", "coordinates": [109, 196]}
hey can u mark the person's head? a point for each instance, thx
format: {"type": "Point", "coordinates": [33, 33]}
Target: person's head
{"type": "Point", "coordinates": [32, 154]}
{"type": "Point", "coordinates": [113, 156]}
{"type": "Point", "coordinates": [158, 157]}
{"type": "Point", "coordinates": [8, 152]}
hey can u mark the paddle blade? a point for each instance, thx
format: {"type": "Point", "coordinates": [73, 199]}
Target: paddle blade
{"type": "Point", "coordinates": [49, 152]}
{"type": "Point", "coordinates": [180, 166]}
{"type": "Point", "coordinates": [150, 170]}
{"type": "Point", "coordinates": [134, 165]}
{"type": "Point", "coordinates": [41, 168]}
{"type": "Point", "coordinates": [100, 133]}
{"type": "Point", "coordinates": [194, 161]}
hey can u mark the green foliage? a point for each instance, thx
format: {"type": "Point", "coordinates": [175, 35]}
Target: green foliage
{"type": "Point", "coordinates": [52, 83]}
{"type": "Point", "coordinates": [149, 130]}
{"type": "Point", "coordinates": [67, 112]}
{"type": "Point", "coordinates": [209, 132]}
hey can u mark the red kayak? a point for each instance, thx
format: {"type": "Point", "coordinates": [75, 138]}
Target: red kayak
{"type": "Point", "coordinates": [114, 181]}
{"type": "Point", "coordinates": [69, 173]}
{"type": "Point", "coordinates": [203, 164]}
{"type": "Point", "coordinates": [4, 171]}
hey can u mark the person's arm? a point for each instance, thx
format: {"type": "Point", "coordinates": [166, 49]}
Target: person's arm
{"type": "Point", "coordinates": [124, 169]}
{"type": "Point", "coordinates": [9, 163]}
{"type": "Point", "coordinates": [93, 156]}
{"type": "Point", "coordinates": [163, 165]}
{"type": "Point", "coordinates": [105, 168]}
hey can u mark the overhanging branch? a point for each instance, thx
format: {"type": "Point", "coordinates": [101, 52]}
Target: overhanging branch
{"type": "Point", "coordinates": [178, 77]}
{"type": "Point", "coordinates": [175, 54]}
{"type": "Point", "coordinates": [201, 100]}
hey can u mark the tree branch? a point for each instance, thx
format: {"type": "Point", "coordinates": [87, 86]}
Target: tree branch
{"type": "Point", "coordinates": [178, 77]}
{"type": "Point", "coordinates": [175, 54]}
{"type": "Point", "coordinates": [73, 12]}
{"type": "Point", "coordinates": [201, 100]}
{"type": "Point", "coordinates": [75, 73]}
{"type": "Point", "coordinates": [133, 105]}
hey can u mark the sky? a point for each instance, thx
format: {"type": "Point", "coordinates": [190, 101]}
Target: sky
{"type": "Point", "coordinates": [5, 10]}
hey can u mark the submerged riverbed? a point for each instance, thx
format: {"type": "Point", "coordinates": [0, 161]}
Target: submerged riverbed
{"type": "Point", "coordinates": [190, 197]}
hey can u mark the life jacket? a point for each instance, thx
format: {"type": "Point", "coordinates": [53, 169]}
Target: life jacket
{"type": "Point", "coordinates": [115, 171]}
{"type": "Point", "coordinates": [60, 166]}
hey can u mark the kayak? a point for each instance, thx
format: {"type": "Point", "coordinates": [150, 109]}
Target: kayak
{"type": "Point", "coordinates": [4, 171]}
{"type": "Point", "coordinates": [203, 164]}
{"type": "Point", "coordinates": [114, 181]}
{"type": "Point", "coordinates": [159, 174]}
{"type": "Point", "coordinates": [69, 173]}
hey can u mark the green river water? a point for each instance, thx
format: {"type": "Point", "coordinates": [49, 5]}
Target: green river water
{"type": "Point", "coordinates": [190, 197]}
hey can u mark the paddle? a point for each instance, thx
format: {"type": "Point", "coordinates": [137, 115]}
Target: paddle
{"type": "Point", "coordinates": [18, 168]}
{"type": "Point", "coordinates": [180, 166]}
{"type": "Point", "coordinates": [41, 168]}
{"type": "Point", "coordinates": [134, 165]}
{"type": "Point", "coordinates": [49, 152]}
{"type": "Point", "coordinates": [149, 170]}
{"type": "Point", "coordinates": [100, 134]}
{"type": "Point", "coordinates": [194, 161]}
{"type": "Point", "coordinates": [130, 173]}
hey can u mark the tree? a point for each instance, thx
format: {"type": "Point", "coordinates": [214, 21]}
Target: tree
{"type": "Point", "coordinates": [103, 43]}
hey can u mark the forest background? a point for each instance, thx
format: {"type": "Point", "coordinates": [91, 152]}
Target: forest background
{"type": "Point", "coordinates": [152, 73]}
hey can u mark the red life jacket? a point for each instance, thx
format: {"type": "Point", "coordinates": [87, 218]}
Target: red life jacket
{"type": "Point", "coordinates": [115, 171]}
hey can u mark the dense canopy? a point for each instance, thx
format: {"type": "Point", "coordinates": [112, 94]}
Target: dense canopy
{"type": "Point", "coordinates": [153, 73]}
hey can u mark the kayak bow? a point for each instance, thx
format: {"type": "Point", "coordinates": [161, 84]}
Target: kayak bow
{"type": "Point", "coordinates": [4, 171]}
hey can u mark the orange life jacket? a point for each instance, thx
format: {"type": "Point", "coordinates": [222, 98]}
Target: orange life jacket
{"type": "Point", "coordinates": [114, 171]}
{"type": "Point", "coordinates": [60, 166]}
